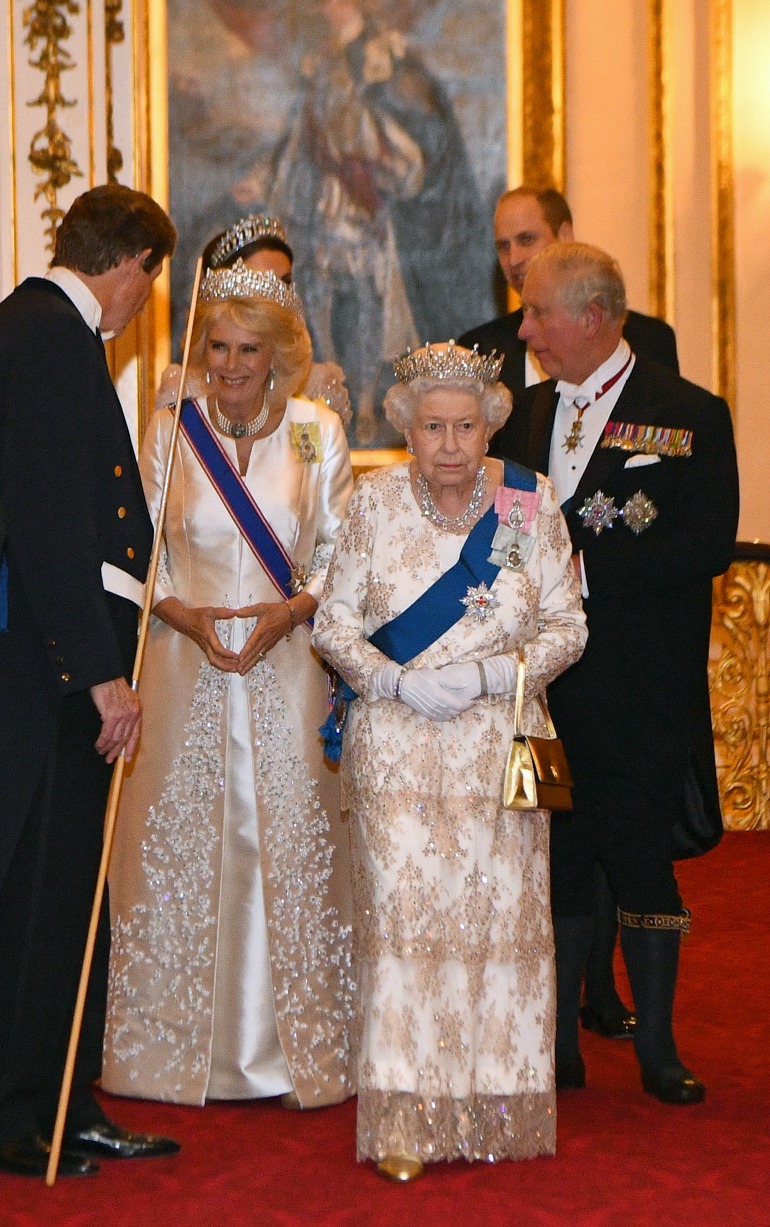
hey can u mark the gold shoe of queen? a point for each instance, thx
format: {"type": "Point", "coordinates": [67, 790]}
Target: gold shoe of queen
{"type": "Point", "coordinates": [400, 1168]}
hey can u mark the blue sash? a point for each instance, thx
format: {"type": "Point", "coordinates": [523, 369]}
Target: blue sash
{"type": "Point", "coordinates": [436, 611]}
{"type": "Point", "coordinates": [233, 492]}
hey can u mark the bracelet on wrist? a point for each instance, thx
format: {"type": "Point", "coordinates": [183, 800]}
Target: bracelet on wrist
{"type": "Point", "coordinates": [295, 621]}
{"type": "Point", "coordinates": [483, 680]}
{"type": "Point", "coordinates": [399, 682]}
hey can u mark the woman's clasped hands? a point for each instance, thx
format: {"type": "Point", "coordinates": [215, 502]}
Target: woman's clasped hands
{"type": "Point", "coordinates": [273, 621]}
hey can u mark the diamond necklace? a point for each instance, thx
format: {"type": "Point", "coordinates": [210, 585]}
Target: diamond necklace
{"type": "Point", "coordinates": [451, 524]}
{"type": "Point", "coordinates": [240, 430]}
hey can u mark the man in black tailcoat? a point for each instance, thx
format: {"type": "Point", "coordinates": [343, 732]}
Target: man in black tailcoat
{"type": "Point", "coordinates": [77, 544]}
{"type": "Point", "coordinates": [644, 466]}
{"type": "Point", "coordinates": [527, 220]}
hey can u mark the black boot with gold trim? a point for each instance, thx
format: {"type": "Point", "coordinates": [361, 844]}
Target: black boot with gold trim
{"type": "Point", "coordinates": [650, 945]}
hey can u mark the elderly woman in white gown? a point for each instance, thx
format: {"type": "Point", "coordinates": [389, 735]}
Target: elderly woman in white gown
{"type": "Point", "coordinates": [230, 882]}
{"type": "Point", "coordinates": [447, 570]}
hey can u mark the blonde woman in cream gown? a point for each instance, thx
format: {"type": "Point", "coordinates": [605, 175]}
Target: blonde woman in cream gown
{"type": "Point", "coordinates": [229, 882]}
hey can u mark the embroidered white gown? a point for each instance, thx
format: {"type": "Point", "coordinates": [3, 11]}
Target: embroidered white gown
{"type": "Point", "coordinates": [229, 884]}
{"type": "Point", "coordinates": [452, 930]}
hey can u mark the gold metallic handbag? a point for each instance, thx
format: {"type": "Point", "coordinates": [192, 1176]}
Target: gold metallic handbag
{"type": "Point", "coordinates": [537, 774]}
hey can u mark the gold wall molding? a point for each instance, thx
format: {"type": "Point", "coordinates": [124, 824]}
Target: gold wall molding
{"type": "Point", "coordinates": [50, 151]}
{"type": "Point", "coordinates": [114, 33]}
{"type": "Point", "coordinates": [543, 88]}
{"type": "Point", "coordinates": [740, 692]}
{"type": "Point", "coordinates": [723, 197]}
{"type": "Point", "coordinates": [659, 229]}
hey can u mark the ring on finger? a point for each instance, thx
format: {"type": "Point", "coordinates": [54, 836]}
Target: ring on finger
{"type": "Point", "coordinates": [260, 656]}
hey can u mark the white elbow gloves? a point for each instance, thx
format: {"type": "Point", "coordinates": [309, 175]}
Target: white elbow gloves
{"type": "Point", "coordinates": [441, 694]}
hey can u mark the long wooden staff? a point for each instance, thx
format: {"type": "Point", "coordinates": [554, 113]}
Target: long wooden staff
{"type": "Point", "coordinates": [116, 783]}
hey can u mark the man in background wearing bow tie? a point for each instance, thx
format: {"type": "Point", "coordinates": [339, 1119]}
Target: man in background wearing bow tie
{"type": "Point", "coordinates": [75, 555]}
{"type": "Point", "coordinates": [644, 466]}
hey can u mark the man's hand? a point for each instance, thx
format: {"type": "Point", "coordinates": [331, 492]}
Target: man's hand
{"type": "Point", "coordinates": [121, 714]}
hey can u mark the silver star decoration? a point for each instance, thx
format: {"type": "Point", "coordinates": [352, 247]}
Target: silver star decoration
{"type": "Point", "coordinates": [480, 603]}
{"type": "Point", "coordinates": [639, 512]}
{"type": "Point", "coordinates": [598, 512]}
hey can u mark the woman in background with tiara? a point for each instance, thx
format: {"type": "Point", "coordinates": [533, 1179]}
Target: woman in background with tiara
{"type": "Point", "coordinates": [229, 883]}
{"type": "Point", "coordinates": [261, 242]}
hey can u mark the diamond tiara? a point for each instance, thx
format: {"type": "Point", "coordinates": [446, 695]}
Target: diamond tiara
{"type": "Point", "coordinates": [447, 361]}
{"type": "Point", "coordinates": [238, 281]}
{"type": "Point", "coordinates": [246, 231]}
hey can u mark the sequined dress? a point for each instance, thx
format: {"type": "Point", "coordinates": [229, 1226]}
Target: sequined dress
{"type": "Point", "coordinates": [229, 884]}
{"type": "Point", "coordinates": [453, 941]}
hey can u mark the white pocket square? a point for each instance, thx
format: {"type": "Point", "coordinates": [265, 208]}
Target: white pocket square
{"type": "Point", "coordinates": [636, 462]}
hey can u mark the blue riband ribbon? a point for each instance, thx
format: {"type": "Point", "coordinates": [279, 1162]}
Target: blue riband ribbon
{"type": "Point", "coordinates": [236, 497]}
{"type": "Point", "coordinates": [433, 613]}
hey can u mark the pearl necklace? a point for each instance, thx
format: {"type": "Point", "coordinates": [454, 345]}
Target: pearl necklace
{"type": "Point", "coordinates": [240, 430]}
{"type": "Point", "coordinates": [451, 524]}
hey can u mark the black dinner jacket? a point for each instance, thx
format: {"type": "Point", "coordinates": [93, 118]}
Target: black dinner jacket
{"type": "Point", "coordinates": [636, 704]}
{"type": "Point", "coordinates": [645, 334]}
{"type": "Point", "coordinates": [72, 499]}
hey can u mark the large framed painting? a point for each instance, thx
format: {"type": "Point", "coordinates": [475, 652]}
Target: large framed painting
{"type": "Point", "coordinates": [376, 131]}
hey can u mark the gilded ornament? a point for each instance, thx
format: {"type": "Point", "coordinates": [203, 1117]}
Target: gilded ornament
{"type": "Point", "coordinates": [50, 152]}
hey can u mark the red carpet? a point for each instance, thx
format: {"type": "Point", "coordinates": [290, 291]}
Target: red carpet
{"type": "Point", "coordinates": [623, 1160]}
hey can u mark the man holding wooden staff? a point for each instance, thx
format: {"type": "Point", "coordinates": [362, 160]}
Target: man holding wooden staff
{"type": "Point", "coordinates": [75, 553]}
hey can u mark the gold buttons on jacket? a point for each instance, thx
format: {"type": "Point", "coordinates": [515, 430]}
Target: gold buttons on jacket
{"type": "Point", "coordinates": [121, 513]}
{"type": "Point", "coordinates": [65, 677]}
{"type": "Point", "coordinates": [130, 552]}
{"type": "Point", "coordinates": [118, 470]}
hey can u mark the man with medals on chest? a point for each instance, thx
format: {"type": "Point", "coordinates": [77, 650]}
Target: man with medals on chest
{"type": "Point", "coordinates": [644, 467]}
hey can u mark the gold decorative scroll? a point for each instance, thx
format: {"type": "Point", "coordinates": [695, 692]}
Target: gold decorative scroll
{"type": "Point", "coordinates": [658, 221]}
{"type": "Point", "coordinates": [50, 151]}
{"type": "Point", "coordinates": [114, 33]}
{"type": "Point", "coordinates": [740, 693]}
{"type": "Point", "coordinates": [723, 197]}
{"type": "Point", "coordinates": [542, 48]}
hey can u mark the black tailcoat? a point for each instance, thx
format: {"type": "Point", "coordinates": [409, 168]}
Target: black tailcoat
{"type": "Point", "coordinates": [72, 500]}
{"type": "Point", "coordinates": [635, 706]}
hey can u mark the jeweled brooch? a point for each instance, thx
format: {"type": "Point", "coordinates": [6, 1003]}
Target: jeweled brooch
{"type": "Point", "coordinates": [639, 512]}
{"type": "Point", "coordinates": [480, 603]}
{"type": "Point", "coordinates": [598, 512]}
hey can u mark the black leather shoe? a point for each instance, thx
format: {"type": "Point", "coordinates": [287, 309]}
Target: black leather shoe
{"type": "Point", "coordinates": [676, 1085]}
{"type": "Point", "coordinates": [620, 1026]}
{"type": "Point", "coordinates": [29, 1157]}
{"type": "Point", "coordinates": [571, 1075]}
{"type": "Point", "coordinates": [110, 1141]}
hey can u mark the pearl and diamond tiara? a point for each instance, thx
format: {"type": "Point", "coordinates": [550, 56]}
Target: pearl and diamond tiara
{"type": "Point", "coordinates": [246, 231]}
{"type": "Point", "coordinates": [447, 361]}
{"type": "Point", "coordinates": [238, 281]}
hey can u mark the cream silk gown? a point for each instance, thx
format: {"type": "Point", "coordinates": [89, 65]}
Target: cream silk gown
{"type": "Point", "coordinates": [453, 941]}
{"type": "Point", "coordinates": [229, 884]}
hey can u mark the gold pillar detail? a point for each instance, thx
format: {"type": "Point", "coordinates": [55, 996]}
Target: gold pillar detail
{"type": "Point", "coordinates": [659, 230]}
{"type": "Point", "coordinates": [542, 42]}
{"type": "Point", "coordinates": [114, 33]}
{"type": "Point", "coordinates": [740, 693]}
{"type": "Point", "coordinates": [723, 198]}
{"type": "Point", "coordinates": [50, 151]}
